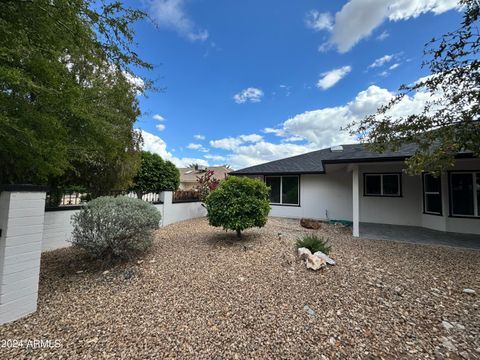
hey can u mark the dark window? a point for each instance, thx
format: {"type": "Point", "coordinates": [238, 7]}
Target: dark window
{"type": "Point", "coordinates": [283, 189]}
{"type": "Point", "coordinates": [274, 184]}
{"type": "Point", "coordinates": [463, 194]}
{"type": "Point", "coordinates": [432, 194]}
{"type": "Point", "coordinates": [391, 184]}
{"type": "Point", "coordinates": [382, 185]}
{"type": "Point", "coordinates": [290, 190]}
{"type": "Point", "coordinates": [373, 184]}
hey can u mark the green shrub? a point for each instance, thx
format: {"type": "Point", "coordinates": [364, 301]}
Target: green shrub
{"type": "Point", "coordinates": [111, 228]}
{"type": "Point", "coordinates": [238, 203]}
{"type": "Point", "coordinates": [314, 244]}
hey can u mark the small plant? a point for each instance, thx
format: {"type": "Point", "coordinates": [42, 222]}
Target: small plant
{"type": "Point", "coordinates": [111, 228]}
{"type": "Point", "coordinates": [314, 244]}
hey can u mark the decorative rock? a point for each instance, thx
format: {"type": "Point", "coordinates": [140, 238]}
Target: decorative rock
{"type": "Point", "coordinates": [311, 224]}
{"type": "Point", "coordinates": [304, 253]}
{"type": "Point", "coordinates": [469, 291]}
{"type": "Point", "coordinates": [315, 263]}
{"type": "Point", "coordinates": [465, 355]}
{"type": "Point", "coordinates": [325, 257]}
{"type": "Point", "coordinates": [447, 325]}
{"type": "Point", "coordinates": [448, 344]}
{"type": "Point", "coordinates": [309, 310]}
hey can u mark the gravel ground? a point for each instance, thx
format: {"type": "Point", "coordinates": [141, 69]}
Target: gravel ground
{"type": "Point", "coordinates": [202, 294]}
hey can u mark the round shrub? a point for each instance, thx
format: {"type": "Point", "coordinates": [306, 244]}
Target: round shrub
{"type": "Point", "coordinates": [238, 203]}
{"type": "Point", "coordinates": [110, 228]}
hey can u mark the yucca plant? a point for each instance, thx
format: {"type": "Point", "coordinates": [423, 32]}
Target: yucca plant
{"type": "Point", "coordinates": [314, 243]}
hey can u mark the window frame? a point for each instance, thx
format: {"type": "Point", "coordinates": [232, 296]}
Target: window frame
{"type": "Point", "coordinates": [382, 174]}
{"type": "Point", "coordinates": [425, 193]}
{"type": "Point", "coordinates": [281, 189]}
{"type": "Point", "coordinates": [476, 209]}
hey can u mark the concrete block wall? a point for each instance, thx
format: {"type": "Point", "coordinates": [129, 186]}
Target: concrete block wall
{"type": "Point", "coordinates": [57, 228]}
{"type": "Point", "coordinates": [21, 222]}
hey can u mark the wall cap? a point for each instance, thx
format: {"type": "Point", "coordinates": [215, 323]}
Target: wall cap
{"type": "Point", "coordinates": [24, 188]}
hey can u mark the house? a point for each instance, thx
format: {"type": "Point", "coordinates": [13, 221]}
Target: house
{"type": "Point", "coordinates": [188, 176]}
{"type": "Point", "coordinates": [350, 183]}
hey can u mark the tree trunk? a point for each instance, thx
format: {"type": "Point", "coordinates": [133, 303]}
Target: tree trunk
{"type": "Point", "coordinates": [239, 234]}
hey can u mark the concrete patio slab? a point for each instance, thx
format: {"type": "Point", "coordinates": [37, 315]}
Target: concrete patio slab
{"type": "Point", "coordinates": [418, 235]}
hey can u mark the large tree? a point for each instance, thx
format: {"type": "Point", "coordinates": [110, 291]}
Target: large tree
{"type": "Point", "coordinates": [68, 93]}
{"type": "Point", "coordinates": [155, 175]}
{"type": "Point", "coordinates": [449, 122]}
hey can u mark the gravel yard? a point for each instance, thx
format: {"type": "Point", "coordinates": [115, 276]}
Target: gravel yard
{"type": "Point", "coordinates": [201, 293]}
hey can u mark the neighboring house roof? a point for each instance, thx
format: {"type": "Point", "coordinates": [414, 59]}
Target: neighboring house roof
{"type": "Point", "coordinates": [189, 175]}
{"type": "Point", "coordinates": [314, 162]}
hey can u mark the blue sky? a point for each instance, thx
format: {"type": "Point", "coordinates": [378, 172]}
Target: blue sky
{"type": "Point", "coordinates": [252, 81]}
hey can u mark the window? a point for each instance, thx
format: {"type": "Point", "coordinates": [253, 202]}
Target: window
{"type": "Point", "coordinates": [465, 193]}
{"type": "Point", "coordinates": [283, 189]}
{"type": "Point", "coordinates": [432, 196]}
{"type": "Point", "coordinates": [382, 184]}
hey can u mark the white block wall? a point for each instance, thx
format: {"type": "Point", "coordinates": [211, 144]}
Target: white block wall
{"type": "Point", "coordinates": [21, 221]}
{"type": "Point", "coordinates": [57, 229]}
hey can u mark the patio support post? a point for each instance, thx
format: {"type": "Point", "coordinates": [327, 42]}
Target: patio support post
{"type": "Point", "coordinates": [356, 201]}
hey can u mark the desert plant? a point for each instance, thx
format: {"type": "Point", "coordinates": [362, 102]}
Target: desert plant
{"type": "Point", "coordinates": [111, 228]}
{"type": "Point", "coordinates": [314, 243]}
{"type": "Point", "coordinates": [238, 203]}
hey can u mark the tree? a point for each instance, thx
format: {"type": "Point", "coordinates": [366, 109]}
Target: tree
{"type": "Point", "coordinates": [206, 183]}
{"type": "Point", "coordinates": [449, 122]}
{"type": "Point", "coordinates": [238, 203]}
{"type": "Point", "coordinates": [155, 175]}
{"type": "Point", "coordinates": [68, 93]}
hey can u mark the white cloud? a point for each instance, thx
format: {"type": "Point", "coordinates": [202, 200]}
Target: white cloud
{"type": "Point", "coordinates": [158, 117]}
{"type": "Point", "coordinates": [381, 61]}
{"type": "Point", "coordinates": [215, 157]}
{"type": "Point", "coordinates": [331, 77]}
{"type": "Point", "coordinates": [199, 137]}
{"type": "Point", "coordinates": [385, 34]}
{"type": "Point", "coordinates": [231, 143]}
{"type": "Point", "coordinates": [157, 145]}
{"type": "Point", "coordinates": [321, 128]}
{"type": "Point", "coordinates": [359, 18]}
{"type": "Point", "coordinates": [250, 94]}
{"type": "Point", "coordinates": [199, 147]}
{"type": "Point", "coordinates": [171, 14]}
{"type": "Point", "coordinates": [160, 127]}
{"type": "Point", "coordinates": [319, 21]}
{"type": "Point", "coordinates": [394, 66]}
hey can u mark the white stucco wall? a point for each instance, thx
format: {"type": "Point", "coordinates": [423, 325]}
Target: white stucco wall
{"type": "Point", "coordinates": [404, 210]}
{"type": "Point", "coordinates": [57, 228]}
{"type": "Point", "coordinates": [332, 192]}
{"type": "Point", "coordinates": [321, 196]}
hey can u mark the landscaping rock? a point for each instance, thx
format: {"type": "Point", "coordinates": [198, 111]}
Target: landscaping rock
{"type": "Point", "coordinates": [309, 310]}
{"type": "Point", "coordinates": [325, 257]}
{"type": "Point", "coordinates": [315, 263]}
{"type": "Point", "coordinates": [469, 291]}
{"type": "Point", "coordinates": [311, 224]}
{"type": "Point", "coordinates": [447, 325]}
{"type": "Point", "coordinates": [303, 253]}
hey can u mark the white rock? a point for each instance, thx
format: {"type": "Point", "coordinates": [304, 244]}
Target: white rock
{"type": "Point", "coordinates": [447, 325]}
{"type": "Point", "coordinates": [469, 291]}
{"type": "Point", "coordinates": [315, 263]}
{"type": "Point", "coordinates": [448, 344]}
{"type": "Point", "coordinates": [309, 310]}
{"type": "Point", "coordinates": [325, 257]}
{"type": "Point", "coordinates": [304, 253]}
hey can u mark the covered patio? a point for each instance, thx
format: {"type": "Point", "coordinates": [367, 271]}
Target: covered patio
{"type": "Point", "coordinates": [418, 235]}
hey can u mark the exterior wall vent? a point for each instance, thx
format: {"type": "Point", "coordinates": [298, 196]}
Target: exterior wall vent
{"type": "Point", "coordinates": [337, 148]}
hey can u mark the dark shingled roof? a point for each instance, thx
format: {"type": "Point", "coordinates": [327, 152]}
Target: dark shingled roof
{"type": "Point", "coordinates": [314, 162]}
